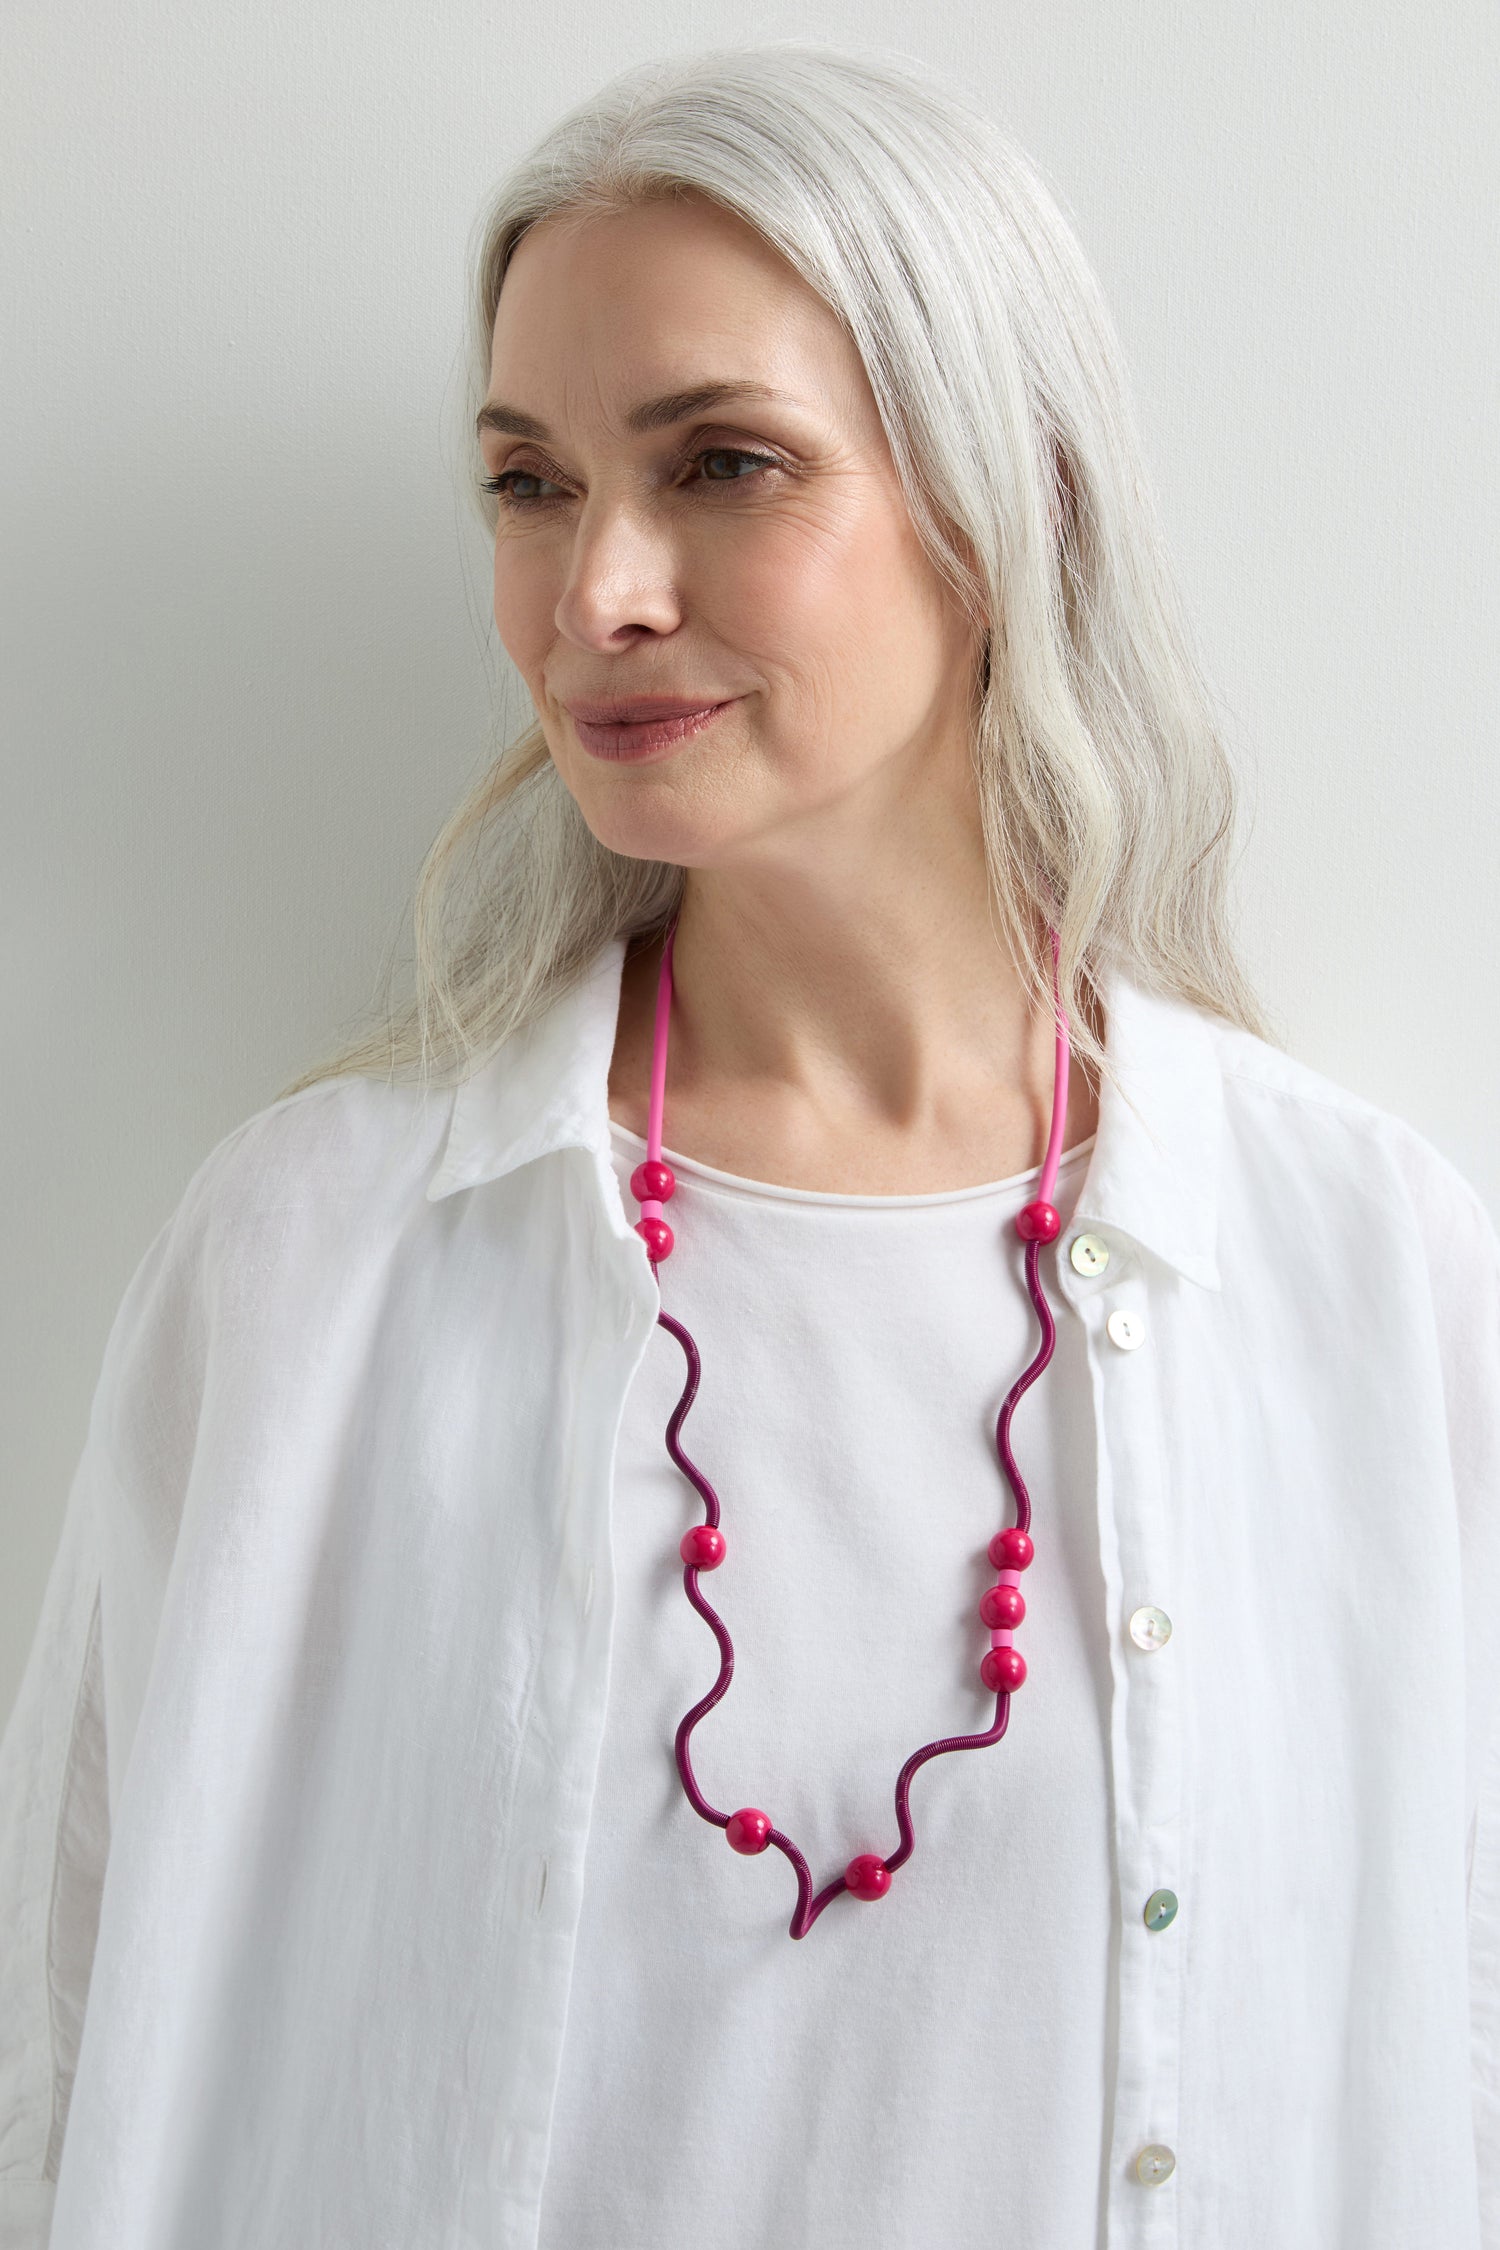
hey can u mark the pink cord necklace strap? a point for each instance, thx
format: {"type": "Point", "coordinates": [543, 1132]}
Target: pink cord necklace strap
{"type": "Point", "coordinates": [1001, 1607]}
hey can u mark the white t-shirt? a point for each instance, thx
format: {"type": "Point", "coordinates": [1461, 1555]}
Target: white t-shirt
{"type": "Point", "coordinates": [924, 2069]}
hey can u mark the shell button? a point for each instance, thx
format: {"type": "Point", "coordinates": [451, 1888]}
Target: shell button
{"type": "Point", "coordinates": [1160, 1908]}
{"type": "Point", "coordinates": [1155, 2164]}
{"type": "Point", "coordinates": [1088, 1253]}
{"type": "Point", "coordinates": [1150, 1628]}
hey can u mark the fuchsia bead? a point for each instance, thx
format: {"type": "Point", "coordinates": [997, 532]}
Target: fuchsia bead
{"type": "Point", "coordinates": [867, 1875]}
{"type": "Point", "coordinates": [748, 1830]}
{"type": "Point", "coordinates": [702, 1548]}
{"type": "Point", "coordinates": [653, 1182]}
{"type": "Point", "coordinates": [657, 1236]}
{"type": "Point", "coordinates": [1003, 1668]}
{"type": "Point", "coordinates": [1038, 1222]}
{"type": "Point", "coordinates": [1011, 1549]}
{"type": "Point", "coordinates": [1002, 1608]}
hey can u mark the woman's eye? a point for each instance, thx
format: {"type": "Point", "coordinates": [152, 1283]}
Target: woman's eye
{"type": "Point", "coordinates": [504, 485]}
{"type": "Point", "coordinates": [759, 461]}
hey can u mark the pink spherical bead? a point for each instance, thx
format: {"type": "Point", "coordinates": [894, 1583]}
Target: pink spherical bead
{"type": "Point", "coordinates": [1002, 1608]}
{"type": "Point", "coordinates": [1039, 1222]}
{"type": "Point", "coordinates": [1003, 1668]}
{"type": "Point", "coordinates": [657, 1236]}
{"type": "Point", "coordinates": [748, 1830]}
{"type": "Point", "coordinates": [1011, 1550]}
{"type": "Point", "coordinates": [702, 1547]}
{"type": "Point", "coordinates": [867, 1876]}
{"type": "Point", "coordinates": [653, 1182]}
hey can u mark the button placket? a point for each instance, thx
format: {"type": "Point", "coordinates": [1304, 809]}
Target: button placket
{"type": "Point", "coordinates": [1120, 1312]}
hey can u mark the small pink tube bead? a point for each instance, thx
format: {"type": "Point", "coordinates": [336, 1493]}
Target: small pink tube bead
{"type": "Point", "coordinates": [1004, 1636]}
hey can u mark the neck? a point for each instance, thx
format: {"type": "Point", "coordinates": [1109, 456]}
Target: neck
{"type": "Point", "coordinates": [854, 1038]}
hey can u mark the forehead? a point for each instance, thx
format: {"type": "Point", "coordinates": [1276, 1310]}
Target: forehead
{"type": "Point", "coordinates": [608, 306]}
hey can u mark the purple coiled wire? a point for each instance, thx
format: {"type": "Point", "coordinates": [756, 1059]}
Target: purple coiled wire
{"type": "Point", "coordinates": [809, 1908]}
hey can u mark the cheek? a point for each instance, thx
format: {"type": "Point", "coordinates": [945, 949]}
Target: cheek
{"type": "Point", "coordinates": [840, 609]}
{"type": "Point", "coordinates": [806, 596]}
{"type": "Point", "coordinates": [524, 608]}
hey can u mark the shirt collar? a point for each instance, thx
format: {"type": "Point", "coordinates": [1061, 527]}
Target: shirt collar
{"type": "Point", "coordinates": [543, 1088]}
{"type": "Point", "coordinates": [1154, 1171]}
{"type": "Point", "coordinates": [1152, 1175]}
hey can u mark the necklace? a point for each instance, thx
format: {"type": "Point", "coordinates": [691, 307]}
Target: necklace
{"type": "Point", "coordinates": [1001, 1608]}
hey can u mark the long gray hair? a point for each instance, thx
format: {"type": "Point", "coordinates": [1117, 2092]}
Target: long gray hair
{"type": "Point", "coordinates": [1106, 793]}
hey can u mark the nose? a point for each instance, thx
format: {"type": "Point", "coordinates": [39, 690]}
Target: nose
{"type": "Point", "coordinates": [623, 576]}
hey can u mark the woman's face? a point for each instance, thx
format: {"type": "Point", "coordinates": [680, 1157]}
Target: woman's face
{"type": "Point", "coordinates": [751, 550]}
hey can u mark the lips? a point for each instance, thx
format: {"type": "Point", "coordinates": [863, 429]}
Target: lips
{"type": "Point", "coordinates": [652, 728]}
{"type": "Point", "coordinates": [631, 711]}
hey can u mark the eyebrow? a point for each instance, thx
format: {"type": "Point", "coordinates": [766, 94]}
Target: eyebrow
{"type": "Point", "coordinates": [651, 414]}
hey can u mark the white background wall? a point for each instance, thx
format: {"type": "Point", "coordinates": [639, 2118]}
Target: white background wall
{"type": "Point", "coordinates": [249, 663]}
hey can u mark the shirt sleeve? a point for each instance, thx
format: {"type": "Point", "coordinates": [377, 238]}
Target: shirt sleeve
{"type": "Point", "coordinates": [54, 1838]}
{"type": "Point", "coordinates": [1472, 1351]}
{"type": "Point", "coordinates": [66, 1742]}
{"type": "Point", "coordinates": [1484, 1985]}
{"type": "Point", "coordinates": [1463, 1251]}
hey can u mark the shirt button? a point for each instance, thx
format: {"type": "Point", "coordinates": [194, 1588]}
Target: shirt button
{"type": "Point", "coordinates": [1126, 1328]}
{"type": "Point", "coordinates": [1149, 1628]}
{"type": "Point", "coordinates": [1160, 1908]}
{"type": "Point", "coordinates": [1088, 1253]}
{"type": "Point", "coordinates": [1155, 2164]}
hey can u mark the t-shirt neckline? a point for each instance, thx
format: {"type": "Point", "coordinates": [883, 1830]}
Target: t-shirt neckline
{"type": "Point", "coordinates": [737, 1183]}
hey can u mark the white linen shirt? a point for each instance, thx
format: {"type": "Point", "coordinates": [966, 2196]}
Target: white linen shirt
{"type": "Point", "coordinates": [295, 1798]}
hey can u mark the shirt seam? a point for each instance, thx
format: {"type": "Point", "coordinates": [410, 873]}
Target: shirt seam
{"type": "Point", "coordinates": [1338, 1103]}
{"type": "Point", "coordinates": [52, 2151]}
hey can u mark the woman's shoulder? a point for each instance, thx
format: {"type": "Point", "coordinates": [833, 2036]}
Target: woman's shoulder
{"type": "Point", "coordinates": [1281, 1112]}
{"type": "Point", "coordinates": [348, 1142]}
{"type": "Point", "coordinates": [292, 1223]}
{"type": "Point", "coordinates": [324, 1180]}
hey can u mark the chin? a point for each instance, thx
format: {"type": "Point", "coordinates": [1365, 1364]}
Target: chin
{"type": "Point", "coordinates": [644, 836]}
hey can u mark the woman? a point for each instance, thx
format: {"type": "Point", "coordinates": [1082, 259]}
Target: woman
{"type": "Point", "coordinates": [369, 1790]}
